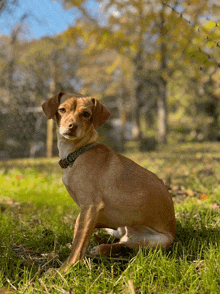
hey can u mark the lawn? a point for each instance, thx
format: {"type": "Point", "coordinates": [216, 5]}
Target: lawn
{"type": "Point", "coordinates": [37, 221]}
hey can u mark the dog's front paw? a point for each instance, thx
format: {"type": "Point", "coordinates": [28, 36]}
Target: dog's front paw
{"type": "Point", "coordinates": [104, 249]}
{"type": "Point", "coordinates": [95, 251]}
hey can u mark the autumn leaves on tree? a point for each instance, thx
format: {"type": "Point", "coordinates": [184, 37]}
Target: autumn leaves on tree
{"type": "Point", "coordinates": [158, 59]}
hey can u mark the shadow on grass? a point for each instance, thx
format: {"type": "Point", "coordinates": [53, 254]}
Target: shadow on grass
{"type": "Point", "coordinates": [192, 242]}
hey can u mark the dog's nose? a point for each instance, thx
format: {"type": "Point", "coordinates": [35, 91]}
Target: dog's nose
{"type": "Point", "coordinates": [73, 126]}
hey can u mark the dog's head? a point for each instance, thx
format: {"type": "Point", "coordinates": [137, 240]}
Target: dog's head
{"type": "Point", "coordinates": [75, 115]}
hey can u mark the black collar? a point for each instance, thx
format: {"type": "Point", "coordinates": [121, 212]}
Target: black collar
{"type": "Point", "coordinates": [69, 160]}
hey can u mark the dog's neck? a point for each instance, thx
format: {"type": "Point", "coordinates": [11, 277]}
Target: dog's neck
{"type": "Point", "coordinates": [66, 146]}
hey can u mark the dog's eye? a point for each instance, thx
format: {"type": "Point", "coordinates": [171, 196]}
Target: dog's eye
{"type": "Point", "coordinates": [62, 110]}
{"type": "Point", "coordinates": [86, 114]}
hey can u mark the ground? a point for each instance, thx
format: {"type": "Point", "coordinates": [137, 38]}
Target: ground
{"type": "Point", "coordinates": [36, 228]}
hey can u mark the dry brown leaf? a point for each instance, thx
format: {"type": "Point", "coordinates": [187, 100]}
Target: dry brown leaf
{"type": "Point", "coordinates": [204, 197]}
{"type": "Point", "coordinates": [189, 192]}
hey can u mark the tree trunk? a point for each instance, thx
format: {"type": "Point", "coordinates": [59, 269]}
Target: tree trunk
{"type": "Point", "coordinates": [136, 132]}
{"type": "Point", "coordinates": [123, 116]}
{"type": "Point", "coordinates": [12, 59]}
{"type": "Point", "coordinates": [162, 100]}
{"type": "Point", "coordinates": [138, 77]}
{"type": "Point", "coordinates": [162, 113]}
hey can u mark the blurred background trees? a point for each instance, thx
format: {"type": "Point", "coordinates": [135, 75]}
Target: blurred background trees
{"type": "Point", "coordinates": [154, 64]}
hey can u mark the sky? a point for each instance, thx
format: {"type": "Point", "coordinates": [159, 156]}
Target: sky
{"type": "Point", "coordinates": [45, 18]}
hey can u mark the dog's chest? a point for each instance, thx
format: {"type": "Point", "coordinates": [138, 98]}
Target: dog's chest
{"type": "Point", "coordinates": [65, 179]}
{"type": "Point", "coordinates": [72, 178]}
{"type": "Point", "coordinates": [70, 186]}
{"type": "Point", "coordinates": [77, 187]}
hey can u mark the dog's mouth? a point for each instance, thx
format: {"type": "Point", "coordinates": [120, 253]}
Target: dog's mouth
{"type": "Point", "coordinates": [68, 135]}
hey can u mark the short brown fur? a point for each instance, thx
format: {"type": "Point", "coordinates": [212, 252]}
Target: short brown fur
{"type": "Point", "coordinates": [112, 191]}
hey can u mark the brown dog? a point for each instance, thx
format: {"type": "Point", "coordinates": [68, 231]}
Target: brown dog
{"type": "Point", "coordinates": [112, 191]}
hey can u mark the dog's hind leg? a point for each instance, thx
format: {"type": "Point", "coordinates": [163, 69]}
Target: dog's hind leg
{"type": "Point", "coordinates": [119, 233]}
{"type": "Point", "coordinates": [147, 237]}
{"type": "Point", "coordinates": [135, 237]}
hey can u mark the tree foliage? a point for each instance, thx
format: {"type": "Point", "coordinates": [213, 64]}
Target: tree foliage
{"type": "Point", "coordinates": [155, 63]}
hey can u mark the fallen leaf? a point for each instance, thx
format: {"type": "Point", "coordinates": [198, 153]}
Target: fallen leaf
{"type": "Point", "coordinates": [175, 188]}
{"type": "Point", "coordinates": [189, 192]}
{"type": "Point", "coordinates": [204, 197]}
{"type": "Point", "coordinates": [18, 177]}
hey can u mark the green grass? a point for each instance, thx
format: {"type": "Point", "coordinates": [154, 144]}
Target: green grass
{"type": "Point", "coordinates": [36, 228]}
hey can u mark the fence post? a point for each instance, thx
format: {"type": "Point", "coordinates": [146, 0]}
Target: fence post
{"type": "Point", "coordinates": [50, 138]}
{"type": "Point", "coordinates": [53, 71]}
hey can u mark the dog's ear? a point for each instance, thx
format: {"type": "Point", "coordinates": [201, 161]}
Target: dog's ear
{"type": "Point", "coordinates": [99, 113]}
{"type": "Point", "coordinates": [50, 107]}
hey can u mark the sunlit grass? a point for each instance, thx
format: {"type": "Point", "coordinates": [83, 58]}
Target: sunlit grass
{"type": "Point", "coordinates": [36, 228]}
